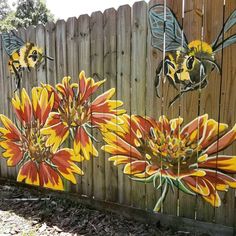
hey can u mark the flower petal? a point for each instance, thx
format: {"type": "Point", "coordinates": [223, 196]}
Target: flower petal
{"type": "Point", "coordinates": [221, 162]}
{"type": "Point", "coordinates": [57, 134]}
{"type": "Point", "coordinates": [13, 152]}
{"type": "Point", "coordinates": [195, 128]}
{"type": "Point", "coordinates": [119, 159]}
{"type": "Point", "coordinates": [23, 107]}
{"type": "Point", "coordinates": [11, 132]}
{"type": "Point", "coordinates": [210, 132]}
{"type": "Point", "coordinates": [213, 197]}
{"type": "Point", "coordinates": [63, 160]}
{"type": "Point", "coordinates": [82, 142]}
{"type": "Point", "coordinates": [49, 178]}
{"type": "Point", "coordinates": [198, 185]}
{"type": "Point", "coordinates": [223, 142]}
{"type": "Point", "coordinates": [135, 167]}
{"type": "Point", "coordinates": [29, 174]}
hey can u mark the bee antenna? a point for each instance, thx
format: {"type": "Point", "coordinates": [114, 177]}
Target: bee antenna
{"type": "Point", "coordinates": [215, 64]}
{"type": "Point", "coordinates": [49, 58]}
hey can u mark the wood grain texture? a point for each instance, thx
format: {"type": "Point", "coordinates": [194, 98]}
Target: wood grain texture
{"type": "Point", "coordinates": [40, 42]}
{"type": "Point", "coordinates": [138, 82]}
{"type": "Point", "coordinates": [50, 50]}
{"type": "Point", "coordinates": [109, 55]}
{"type": "Point", "coordinates": [124, 86]}
{"type": "Point", "coordinates": [116, 45]}
{"type": "Point", "coordinates": [97, 68]}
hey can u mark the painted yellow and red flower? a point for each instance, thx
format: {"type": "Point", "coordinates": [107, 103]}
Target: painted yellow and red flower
{"type": "Point", "coordinates": [185, 157]}
{"type": "Point", "coordinates": [77, 113]}
{"type": "Point", "coordinates": [40, 164]}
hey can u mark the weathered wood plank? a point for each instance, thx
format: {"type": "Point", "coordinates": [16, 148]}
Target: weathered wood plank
{"type": "Point", "coordinates": [40, 42]}
{"type": "Point", "coordinates": [50, 50]}
{"type": "Point", "coordinates": [213, 21]}
{"type": "Point", "coordinates": [72, 48]}
{"type": "Point", "coordinates": [84, 64]}
{"type": "Point", "coordinates": [110, 52]}
{"type": "Point", "coordinates": [86, 182]}
{"type": "Point", "coordinates": [8, 81]}
{"type": "Point", "coordinates": [171, 204]}
{"type": "Point", "coordinates": [189, 101]}
{"type": "Point", "coordinates": [61, 68]}
{"type": "Point", "coordinates": [32, 74]}
{"type": "Point", "coordinates": [4, 80]}
{"type": "Point", "coordinates": [124, 85]}
{"type": "Point", "coordinates": [153, 103]}
{"type": "Point", "coordinates": [225, 214]}
{"type": "Point", "coordinates": [72, 63]}
{"type": "Point", "coordinates": [61, 63]}
{"type": "Point", "coordinates": [138, 77]}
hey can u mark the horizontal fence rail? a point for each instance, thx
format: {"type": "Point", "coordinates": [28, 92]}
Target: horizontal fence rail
{"type": "Point", "coordinates": [116, 45]}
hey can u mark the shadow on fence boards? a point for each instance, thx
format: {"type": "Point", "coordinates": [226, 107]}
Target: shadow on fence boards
{"type": "Point", "coordinates": [154, 127]}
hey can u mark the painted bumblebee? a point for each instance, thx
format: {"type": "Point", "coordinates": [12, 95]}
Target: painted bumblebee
{"type": "Point", "coordinates": [22, 55]}
{"type": "Point", "coordinates": [187, 64]}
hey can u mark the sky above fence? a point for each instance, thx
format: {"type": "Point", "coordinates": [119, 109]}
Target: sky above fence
{"type": "Point", "coordinates": [69, 8]}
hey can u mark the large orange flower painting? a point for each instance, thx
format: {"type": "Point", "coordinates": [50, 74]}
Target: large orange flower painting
{"type": "Point", "coordinates": [169, 156]}
{"type": "Point", "coordinates": [162, 152]}
{"type": "Point", "coordinates": [41, 165]}
{"type": "Point", "coordinates": [46, 121]}
{"type": "Point", "coordinates": [77, 113]}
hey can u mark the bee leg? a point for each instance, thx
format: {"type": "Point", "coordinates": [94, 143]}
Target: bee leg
{"type": "Point", "coordinates": [186, 89]}
{"type": "Point", "coordinates": [18, 78]}
{"type": "Point", "coordinates": [175, 98]}
{"type": "Point", "coordinates": [158, 78]}
{"type": "Point", "coordinates": [204, 83]}
{"type": "Point", "coordinates": [28, 68]}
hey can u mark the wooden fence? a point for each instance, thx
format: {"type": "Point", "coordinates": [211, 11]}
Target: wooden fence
{"type": "Point", "coordinates": [116, 45]}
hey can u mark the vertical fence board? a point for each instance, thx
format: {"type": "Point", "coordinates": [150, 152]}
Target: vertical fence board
{"type": "Point", "coordinates": [61, 67]}
{"type": "Point", "coordinates": [50, 50]}
{"type": "Point", "coordinates": [110, 50]}
{"type": "Point", "coordinates": [84, 64]}
{"type": "Point", "coordinates": [226, 212]}
{"type": "Point", "coordinates": [4, 79]}
{"type": "Point", "coordinates": [32, 74]}
{"type": "Point", "coordinates": [210, 97]}
{"type": "Point", "coordinates": [171, 203]}
{"type": "Point", "coordinates": [123, 85]}
{"type": "Point", "coordinates": [117, 46]}
{"type": "Point", "coordinates": [96, 27]}
{"type": "Point", "coordinates": [8, 80]}
{"type": "Point", "coordinates": [40, 42]}
{"type": "Point", "coordinates": [138, 76]}
{"type": "Point", "coordinates": [72, 48]}
{"type": "Point", "coordinates": [61, 50]}
{"type": "Point", "coordinates": [152, 103]}
{"type": "Point", "coordinates": [190, 110]}
{"type": "Point", "coordinates": [72, 63]}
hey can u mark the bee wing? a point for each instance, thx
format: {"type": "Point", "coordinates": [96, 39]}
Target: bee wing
{"type": "Point", "coordinates": [230, 22]}
{"type": "Point", "coordinates": [11, 42]}
{"type": "Point", "coordinates": [174, 38]}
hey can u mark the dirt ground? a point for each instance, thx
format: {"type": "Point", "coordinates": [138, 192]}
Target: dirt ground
{"type": "Point", "coordinates": [27, 212]}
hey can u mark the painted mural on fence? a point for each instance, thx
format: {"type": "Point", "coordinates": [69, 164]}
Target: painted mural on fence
{"type": "Point", "coordinates": [164, 153]}
{"type": "Point", "coordinates": [45, 122]}
{"type": "Point", "coordinates": [52, 131]}
{"type": "Point", "coordinates": [187, 64]}
{"type": "Point", "coordinates": [161, 152]}
{"type": "Point", "coordinates": [23, 55]}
